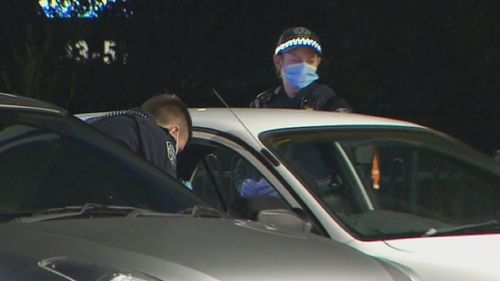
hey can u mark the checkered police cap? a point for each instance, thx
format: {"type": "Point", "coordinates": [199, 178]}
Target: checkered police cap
{"type": "Point", "coordinates": [297, 37]}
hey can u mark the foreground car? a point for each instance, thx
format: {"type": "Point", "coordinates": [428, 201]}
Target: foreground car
{"type": "Point", "coordinates": [389, 188]}
{"type": "Point", "coordinates": [77, 206]}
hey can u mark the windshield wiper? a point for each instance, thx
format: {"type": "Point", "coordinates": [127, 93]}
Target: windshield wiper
{"type": "Point", "coordinates": [88, 209]}
{"type": "Point", "coordinates": [463, 228]}
{"type": "Point", "coordinates": [201, 211]}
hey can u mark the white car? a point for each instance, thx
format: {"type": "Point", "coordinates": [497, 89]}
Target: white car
{"type": "Point", "coordinates": [388, 188]}
{"type": "Point", "coordinates": [76, 205]}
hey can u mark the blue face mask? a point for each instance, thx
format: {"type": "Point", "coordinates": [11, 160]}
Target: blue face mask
{"type": "Point", "coordinates": [299, 75]}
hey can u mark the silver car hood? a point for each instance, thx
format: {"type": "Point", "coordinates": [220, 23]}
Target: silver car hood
{"type": "Point", "coordinates": [186, 248]}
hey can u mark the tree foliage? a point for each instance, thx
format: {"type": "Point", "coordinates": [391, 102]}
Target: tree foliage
{"type": "Point", "coordinates": [433, 62]}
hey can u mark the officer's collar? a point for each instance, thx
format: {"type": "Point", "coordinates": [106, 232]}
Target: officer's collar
{"type": "Point", "coordinates": [301, 93]}
{"type": "Point", "coordinates": [140, 112]}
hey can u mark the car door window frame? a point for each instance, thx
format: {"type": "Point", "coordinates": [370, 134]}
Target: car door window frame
{"type": "Point", "coordinates": [207, 138]}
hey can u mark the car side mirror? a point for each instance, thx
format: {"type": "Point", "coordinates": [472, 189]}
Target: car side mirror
{"type": "Point", "coordinates": [284, 218]}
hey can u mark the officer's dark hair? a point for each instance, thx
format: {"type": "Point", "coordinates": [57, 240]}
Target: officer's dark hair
{"type": "Point", "coordinates": [167, 108]}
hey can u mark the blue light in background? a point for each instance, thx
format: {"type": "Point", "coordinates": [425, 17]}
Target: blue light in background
{"type": "Point", "coordinates": [79, 8]}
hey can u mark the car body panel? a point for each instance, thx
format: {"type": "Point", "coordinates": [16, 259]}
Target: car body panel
{"type": "Point", "coordinates": [63, 182]}
{"type": "Point", "coordinates": [462, 257]}
{"type": "Point", "coordinates": [246, 124]}
{"type": "Point", "coordinates": [435, 258]}
{"type": "Point", "coordinates": [175, 247]}
{"type": "Point", "coordinates": [255, 121]}
{"type": "Point", "coordinates": [19, 102]}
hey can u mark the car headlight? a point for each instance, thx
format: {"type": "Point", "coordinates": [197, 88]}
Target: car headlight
{"type": "Point", "coordinates": [77, 269]}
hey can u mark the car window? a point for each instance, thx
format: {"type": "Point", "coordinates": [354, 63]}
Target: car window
{"type": "Point", "coordinates": [223, 177]}
{"type": "Point", "coordinates": [319, 166]}
{"type": "Point", "coordinates": [390, 183]}
{"type": "Point", "coordinates": [429, 183]}
{"type": "Point", "coordinates": [46, 164]}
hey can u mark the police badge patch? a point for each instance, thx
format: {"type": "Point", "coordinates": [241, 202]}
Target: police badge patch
{"type": "Point", "coordinates": [171, 154]}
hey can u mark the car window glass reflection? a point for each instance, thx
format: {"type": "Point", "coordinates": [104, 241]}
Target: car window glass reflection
{"type": "Point", "coordinates": [222, 176]}
{"type": "Point", "coordinates": [386, 184]}
{"type": "Point", "coordinates": [64, 171]}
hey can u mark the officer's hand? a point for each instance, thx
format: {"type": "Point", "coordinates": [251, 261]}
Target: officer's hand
{"type": "Point", "coordinates": [251, 187]}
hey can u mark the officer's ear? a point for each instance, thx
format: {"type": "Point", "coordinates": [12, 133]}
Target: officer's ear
{"type": "Point", "coordinates": [173, 129]}
{"type": "Point", "coordinates": [278, 63]}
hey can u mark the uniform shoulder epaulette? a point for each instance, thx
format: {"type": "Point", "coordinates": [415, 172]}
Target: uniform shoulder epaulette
{"type": "Point", "coordinates": [127, 112]}
{"type": "Point", "coordinates": [264, 97]}
{"type": "Point", "coordinates": [326, 90]}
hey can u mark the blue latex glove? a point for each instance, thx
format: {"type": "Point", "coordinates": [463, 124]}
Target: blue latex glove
{"type": "Point", "coordinates": [188, 184]}
{"type": "Point", "coordinates": [250, 187]}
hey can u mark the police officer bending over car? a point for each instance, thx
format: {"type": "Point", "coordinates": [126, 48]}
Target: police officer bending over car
{"type": "Point", "coordinates": [157, 130]}
{"type": "Point", "coordinates": [296, 58]}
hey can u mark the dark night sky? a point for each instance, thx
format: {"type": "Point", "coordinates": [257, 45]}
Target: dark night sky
{"type": "Point", "coordinates": [432, 62]}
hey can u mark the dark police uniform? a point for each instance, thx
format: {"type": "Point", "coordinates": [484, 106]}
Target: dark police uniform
{"type": "Point", "coordinates": [139, 131]}
{"type": "Point", "coordinates": [315, 96]}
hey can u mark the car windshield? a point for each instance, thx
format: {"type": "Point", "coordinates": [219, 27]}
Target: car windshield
{"type": "Point", "coordinates": [385, 183]}
{"type": "Point", "coordinates": [51, 162]}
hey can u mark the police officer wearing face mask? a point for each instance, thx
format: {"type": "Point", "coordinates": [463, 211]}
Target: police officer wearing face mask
{"type": "Point", "coordinates": [296, 58]}
{"type": "Point", "coordinates": [157, 130]}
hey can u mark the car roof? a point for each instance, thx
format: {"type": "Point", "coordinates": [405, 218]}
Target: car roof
{"type": "Point", "coordinates": [260, 120]}
{"type": "Point", "coordinates": [25, 103]}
